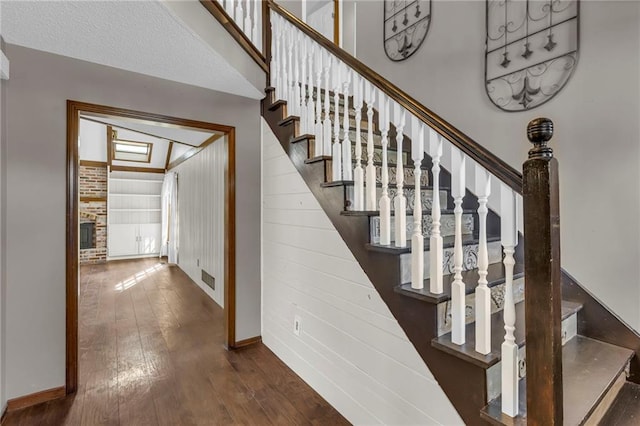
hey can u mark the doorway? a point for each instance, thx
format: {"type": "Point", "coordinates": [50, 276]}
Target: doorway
{"type": "Point", "coordinates": [137, 119]}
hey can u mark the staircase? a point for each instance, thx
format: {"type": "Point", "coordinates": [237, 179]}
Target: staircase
{"type": "Point", "coordinates": [356, 150]}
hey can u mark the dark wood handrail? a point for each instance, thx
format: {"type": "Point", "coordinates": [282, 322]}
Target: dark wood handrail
{"type": "Point", "coordinates": [236, 32]}
{"type": "Point", "coordinates": [473, 149]}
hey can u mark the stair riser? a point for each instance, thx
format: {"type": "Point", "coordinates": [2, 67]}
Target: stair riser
{"type": "Point", "coordinates": [494, 373]}
{"type": "Point", "coordinates": [497, 304]}
{"type": "Point", "coordinates": [392, 156]}
{"type": "Point", "coordinates": [470, 260]}
{"type": "Point", "coordinates": [425, 197]}
{"type": "Point", "coordinates": [447, 226]}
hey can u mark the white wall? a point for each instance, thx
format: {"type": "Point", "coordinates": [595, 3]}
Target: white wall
{"type": "Point", "coordinates": [597, 139]}
{"type": "Point", "coordinates": [350, 350]}
{"type": "Point", "coordinates": [92, 141]}
{"type": "Point", "coordinates": [35, 195]}
{"type": "Point", "coordinates": [201, 216]}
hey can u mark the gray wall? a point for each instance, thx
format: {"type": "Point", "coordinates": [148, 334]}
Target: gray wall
{"type": "Point", "coordinates": [596, 116]}
{"type": "Point", "coordinates": [36, 188]}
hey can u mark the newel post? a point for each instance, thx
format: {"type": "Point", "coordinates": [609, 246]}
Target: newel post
{"type": "Point", "coordinates": [542, 277]}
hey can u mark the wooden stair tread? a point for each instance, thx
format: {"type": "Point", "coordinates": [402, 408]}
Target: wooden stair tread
{"type": "Point", "coordinates": [589, 369]}
{"type": "Point", "coordinates": [470, 278]}
{"type": "Point", "coordinates": [468, 352]}
{"type": "Point", "coordinates": [625, 410]}
{"type": "Point", "coordinates": [447, 242]}
{"type": "Point", "coordinates": [274, 106]}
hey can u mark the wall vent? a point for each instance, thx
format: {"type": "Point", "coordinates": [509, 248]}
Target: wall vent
{"type": "Point", "coordinates": [208, 279]}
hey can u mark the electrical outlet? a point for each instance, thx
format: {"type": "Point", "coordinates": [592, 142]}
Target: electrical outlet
{"type": "Point", "coordinates": [297, 325]}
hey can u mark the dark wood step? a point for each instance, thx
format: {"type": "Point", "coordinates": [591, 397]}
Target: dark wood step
{"type": "Point", "coordinates": [447, 242]}
{"type": "Point", "coordinates": [468, 352]}
{"type": "Point", "coordinates": [277, 104]}
{"type": "Point", "coordinates": [470, 278]}
{"type": "Point", "coordinates": [625, 410]}
{"type": "Point", "coordinates": [589, 370]}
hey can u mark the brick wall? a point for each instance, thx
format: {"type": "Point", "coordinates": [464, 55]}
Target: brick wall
{"type": "Point", "coordinates": [93, 183]}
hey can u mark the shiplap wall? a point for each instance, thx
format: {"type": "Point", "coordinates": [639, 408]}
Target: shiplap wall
{"type": "Point", "coordinates": [201, 216]}
{"type": "Point", "coordinates": [350, 349]}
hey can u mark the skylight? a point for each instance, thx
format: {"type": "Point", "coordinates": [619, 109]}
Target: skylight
{"type": "Point", "coordinates": [125, 150]}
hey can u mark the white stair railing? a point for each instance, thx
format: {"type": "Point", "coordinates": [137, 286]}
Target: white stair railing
{"type": "Point", "coordinates": [385, 202]}
{"type": "Point", "coordinates": [509, 236]}
{"type": "Point", "coordinates": [247, 14]}
{"type": "Point", "coordinates": [458, 291]}
{"type": "Point", "coordinates": [417, 239]}
{"type": "Point", "coordinates": [334, 81]}
{"type": "Point", "coordinates": [358, 173]}
{"type": "Point", "coordinates": [483, 292]}
{"type": "Point", "coordinates": [400, 201]}
{"type": "Point", "coordinates": [435, 242]}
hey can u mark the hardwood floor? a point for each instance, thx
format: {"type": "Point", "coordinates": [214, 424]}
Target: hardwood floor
{"type": "Point", "coordinates": [151, 353]}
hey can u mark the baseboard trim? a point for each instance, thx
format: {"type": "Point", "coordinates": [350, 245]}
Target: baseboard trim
{"type": "Point", "coordinates": [35, 398]}
{"type": "Point", "coordinates": [247, 342]}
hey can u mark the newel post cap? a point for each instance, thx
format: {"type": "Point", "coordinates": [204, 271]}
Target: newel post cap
{"type": "Point", "coordinates": [539, 132]}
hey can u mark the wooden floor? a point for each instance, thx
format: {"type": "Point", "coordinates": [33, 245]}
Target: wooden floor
{"type": "Point", "coordinates": [151, 353]}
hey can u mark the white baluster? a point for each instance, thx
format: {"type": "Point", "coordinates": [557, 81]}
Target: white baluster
{"type": "Point", "coordinates": [347, 170]}
{"type": "Point", "coordinates": [256, 19]}
{"type": "Point", "coordinates": [281, 61]}
{"type": "Point", "coordinates": [336, 152]}
{"type": "Point", "coordinates": [358, 174]}
{"type": "Point", "coordinates": [435, 242]}
{"type": "Point", "coordinates": [370, 176]}
{"type": "Point", "coordinates": [458, 293]}
{"type": "Point", "coordinates": [400, 201]}
{"type": "Point", "coordinates": [258, 23]}
{"type": "Point", "coordinates": [289, 73]}
{"type": "Point", "coordinates": [303, 80]}
{"type": "Point", "coordinates": [417, 239]}
{"type": "Point", "coordinates": [248, 24]}
{"type": "Point", "coordinates": [238, 18]}
{"type": "Point", "coordinates": [310, 107]}
{"type": "Point", "coordinates": [275, 60]}
{"type": "Point", "coordinates": [483, 292]}
{"type": "Point", "coordinates": [385, 202]}
{"type": "Point", "coordinates": [509, 236]}
{"type": "Point", "coordinates": [230, 7]}
{"type": "Point", "coordinates": [296, 72]}
{"type": "Point", "coordinates": [319, 130]}
{"type": "Point", "coordinates": [326, 124]}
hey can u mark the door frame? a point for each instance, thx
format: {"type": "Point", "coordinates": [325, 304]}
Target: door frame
{"type": "Point", "coordinates": [74, 109]}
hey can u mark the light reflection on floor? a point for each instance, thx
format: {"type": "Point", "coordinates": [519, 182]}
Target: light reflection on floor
{"type": "Point", "coordinates": [137, 277]}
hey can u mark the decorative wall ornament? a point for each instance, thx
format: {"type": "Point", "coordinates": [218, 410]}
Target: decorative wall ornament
{"type": "Point", "coordinates": [531, 50]}
{"type": "Point", "coordinates": [406, 24]}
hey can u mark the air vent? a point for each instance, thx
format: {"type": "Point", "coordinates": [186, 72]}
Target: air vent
{"type": "Point", "coordinates": [208, 280]}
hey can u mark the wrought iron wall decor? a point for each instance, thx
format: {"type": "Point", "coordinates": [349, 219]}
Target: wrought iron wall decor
{"type": "Point", "coordinates": [531, 50]}
{"type": "Point", "coordinates": [406, 24]}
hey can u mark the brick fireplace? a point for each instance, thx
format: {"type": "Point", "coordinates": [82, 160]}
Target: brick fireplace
{"type": "Point", "coordinates": [93, 209]}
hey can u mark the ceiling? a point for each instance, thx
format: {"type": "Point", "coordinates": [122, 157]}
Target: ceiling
{"type": "Point", "coordinates": [189, 136]}
{"type": "Point", "coordinates": [139, 36]}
